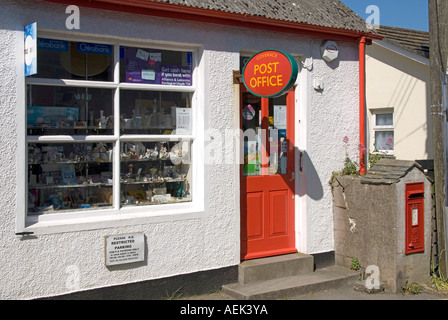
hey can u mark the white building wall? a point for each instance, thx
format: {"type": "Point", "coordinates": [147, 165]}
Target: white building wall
{"type": "Point", "coordinates": [69, 258]}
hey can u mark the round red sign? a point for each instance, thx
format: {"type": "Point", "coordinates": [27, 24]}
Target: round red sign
{"type": "Point", "coordinates": [270, 73]}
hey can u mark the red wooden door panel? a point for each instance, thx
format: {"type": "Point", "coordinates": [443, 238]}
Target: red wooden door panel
{"type": "Point", "coordinates": [278, 212]}
{"type": "Point", "coordinates": [255, 229]}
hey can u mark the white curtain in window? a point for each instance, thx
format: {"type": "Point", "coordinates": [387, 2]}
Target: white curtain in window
{"type": "Point", "coordinates": [384, 140]}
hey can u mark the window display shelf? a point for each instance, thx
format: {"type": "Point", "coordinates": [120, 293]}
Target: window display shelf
{"type": "Point", "coordinates": [52, 209]}
{"type": "Point", "coordinates": [65, 186]}
{"type": "Point", "coordinates": [67, 127]}
{"type": "Point", "coordinates": [161, 180]}
{"type": "Point", "coordinates": [126, 159]}
{"type": "Point", "coordinates": [154, 203]}
{"type": "Point", "coordinates": [151, 128]}
{"type": "Point", "coordinates": [71, 162]}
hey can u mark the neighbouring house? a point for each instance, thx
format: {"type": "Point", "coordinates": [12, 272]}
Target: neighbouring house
{"type": "Point", "coordinates": [398, 94]}
{"type": "Point", "coordinates": [133, 152]}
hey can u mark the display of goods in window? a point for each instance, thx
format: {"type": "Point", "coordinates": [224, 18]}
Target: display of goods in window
{"type": "Point", "coordinates": [96, 140]}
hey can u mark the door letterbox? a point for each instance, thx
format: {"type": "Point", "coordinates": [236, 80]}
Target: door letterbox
{"type": "Point", "coordinates": [415, 231]}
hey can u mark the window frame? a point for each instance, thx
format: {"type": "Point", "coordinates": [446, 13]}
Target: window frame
{"type": "Point", "coordinates": [382, 128]}
{"type": "Point", "coordinates": [118, 215]}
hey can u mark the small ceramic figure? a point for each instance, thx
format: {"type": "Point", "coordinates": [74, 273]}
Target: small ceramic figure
{"type": "Point", "coordinates": [163, 152]}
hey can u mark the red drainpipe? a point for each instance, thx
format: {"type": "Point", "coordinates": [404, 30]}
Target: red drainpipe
{"type": "Point", "coordinates": [362, 104]}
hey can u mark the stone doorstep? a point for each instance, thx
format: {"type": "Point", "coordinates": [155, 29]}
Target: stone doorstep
{"type": "Point", "coordinates": [280, 285]}
{"type": "Point", "coordinates": [274, 267]}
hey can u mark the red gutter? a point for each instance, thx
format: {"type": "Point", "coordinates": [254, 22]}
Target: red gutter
{"type": "Point", "coordinates": [362, 104]}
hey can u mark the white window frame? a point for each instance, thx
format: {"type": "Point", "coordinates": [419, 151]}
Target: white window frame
{"type": "Point", "coordinates": [376, 128]}
{"type": "Point", "coordinates": [118, 215]}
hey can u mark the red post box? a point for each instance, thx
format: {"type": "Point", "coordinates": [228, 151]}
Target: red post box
{"type": "Point", "coordinates": [415, 229]}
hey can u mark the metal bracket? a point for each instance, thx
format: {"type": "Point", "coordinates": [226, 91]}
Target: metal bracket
{"type": "Point", "coordinates": [24, 234]}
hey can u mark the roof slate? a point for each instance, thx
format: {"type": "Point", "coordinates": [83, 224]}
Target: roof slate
{"type": "Point", "coordinates": [326, 13]}
{"type": "Point", "coordinates": [389, 171]}
{"type": "Point", "coordinates": [411, 40]}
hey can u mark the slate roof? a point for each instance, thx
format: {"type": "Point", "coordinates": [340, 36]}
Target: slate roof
{"type": "Point", "coordinates": [326, 13]}
{"type": "Point", "coordinates": [389, 171]}
{"type": "Point", "coordinates": [411, 40]}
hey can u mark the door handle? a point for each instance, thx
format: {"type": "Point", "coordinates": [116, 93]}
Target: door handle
{"type": "Point", "coordinates": [293, 176]}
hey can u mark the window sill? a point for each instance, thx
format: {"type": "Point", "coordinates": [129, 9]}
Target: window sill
{"type": "Point", "coordinates": [63, 223]}
{"type": "Point", "coordinates": [384, 153]}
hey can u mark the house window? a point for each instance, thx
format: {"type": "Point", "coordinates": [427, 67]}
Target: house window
{"type": "Point", "coordinates": [383, 129]}
{"type": "Point", "coordinates": [109, 126]}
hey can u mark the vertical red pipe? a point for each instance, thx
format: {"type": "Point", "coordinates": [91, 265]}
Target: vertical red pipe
{"type": "Point", "coordinates": [362, 104]}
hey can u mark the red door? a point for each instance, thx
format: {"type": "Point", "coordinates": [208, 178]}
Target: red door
{"type": "Point", "coordinates": [267, 176]}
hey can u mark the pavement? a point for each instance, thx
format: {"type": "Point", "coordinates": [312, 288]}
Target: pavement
{"type": "Point", "coordinates": [347, 302]}
{"type": "Point", "coordinates": [343, 293]}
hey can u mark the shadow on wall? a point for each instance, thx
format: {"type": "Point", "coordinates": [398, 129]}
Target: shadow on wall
{"type": "Point", "coordinates": [308, 180]}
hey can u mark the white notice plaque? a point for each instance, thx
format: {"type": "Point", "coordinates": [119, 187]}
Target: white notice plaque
{"type": "Point", "coordinates": [125, 248]}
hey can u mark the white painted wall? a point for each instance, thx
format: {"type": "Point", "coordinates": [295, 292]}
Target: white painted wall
{"type": "Point", "coordinates": [46, 264]}
{"type": "Point", "coordinates": [331, 114]}
{"type": "Point", "coordinates": [399, 80]}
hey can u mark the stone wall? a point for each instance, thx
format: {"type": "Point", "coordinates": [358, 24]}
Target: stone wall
{"type": "Point", "coordinates": [369, 225]}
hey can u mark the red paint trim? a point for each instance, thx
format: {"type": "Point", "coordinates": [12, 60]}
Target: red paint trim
{"type": "Point", "coordinates": [362, 103]}
{"type": "Point", "coordinates": [160, 9]}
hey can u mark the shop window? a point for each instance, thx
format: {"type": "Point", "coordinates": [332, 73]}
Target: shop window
{"type": "Point", "coordinates": [154, 173]}
{"type": "Point", "coordinates": [155, 112]}
{"type": "Point", "coordinates": [383, 128]}
{"type": "Point", "coordinates": [60, 59]}
{"type": "Point", "coordinates": [99, 139]}
{"type": "Point", "coordinates": [64, 110]}
{"type": "Point", "coordinates": [69, 177]}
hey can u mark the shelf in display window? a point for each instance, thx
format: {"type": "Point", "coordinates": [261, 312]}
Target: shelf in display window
{"type": "Point", "coordinates": [155, 203]}
{"type": "Point", "coordinates": [125, 160]}
{"type": "Point", "coordinates": [63, 186]}
{"type": "Point", "coordinates": [150, 128]}
{"type": "Point", "coordinates": [67, 128]}
{"type": "Point", "coordinates": [71, 162]}
{"type": "Point", "coordinates": [162, 180]}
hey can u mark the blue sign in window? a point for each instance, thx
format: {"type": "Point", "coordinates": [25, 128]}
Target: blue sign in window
{"type": "Point", "coordinates": [95, 48]}
{"type": "Point", "coordinates": [31, 49]}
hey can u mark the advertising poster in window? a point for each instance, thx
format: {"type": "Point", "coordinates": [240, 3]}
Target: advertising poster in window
{"type": "Point", "coordinates": [145, 66]}
{"type": "Point", "coordinates": [176, 75]}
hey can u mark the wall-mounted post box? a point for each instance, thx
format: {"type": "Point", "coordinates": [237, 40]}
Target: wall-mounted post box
{"type": "Point", "coordinates": [415, 230]}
